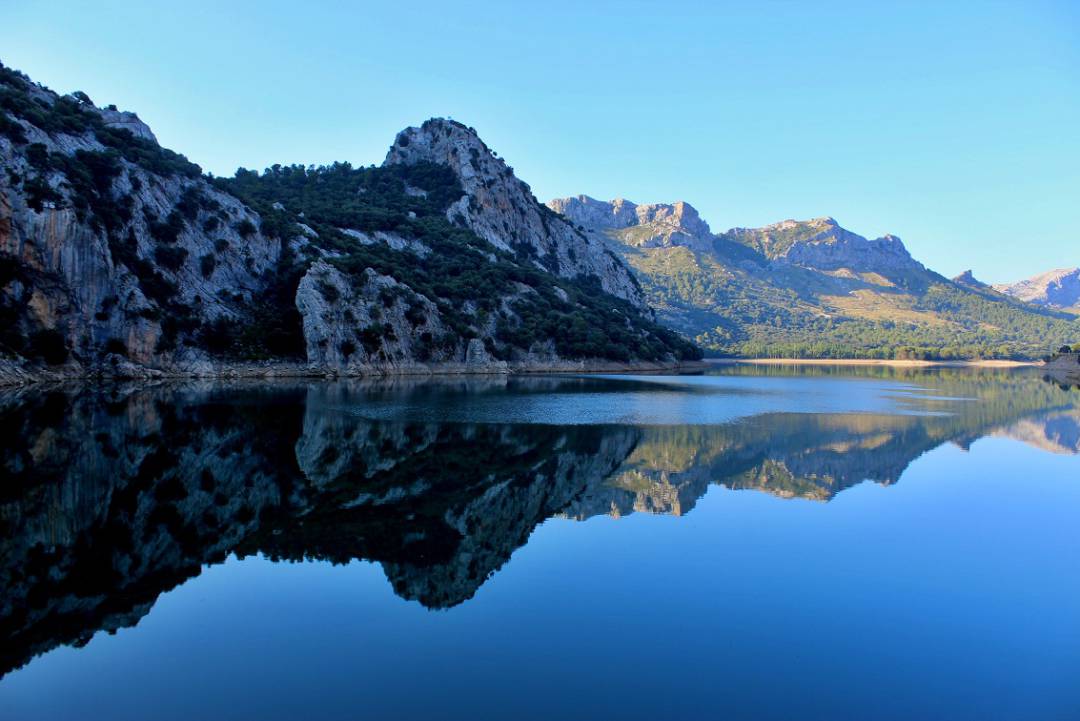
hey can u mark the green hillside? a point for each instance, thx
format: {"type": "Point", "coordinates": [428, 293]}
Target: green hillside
{"type": "Point", "coordinates": [813, 289]}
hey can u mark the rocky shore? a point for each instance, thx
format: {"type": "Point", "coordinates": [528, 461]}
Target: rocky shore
{"type": "Point", "coordinates": [1066, 363]}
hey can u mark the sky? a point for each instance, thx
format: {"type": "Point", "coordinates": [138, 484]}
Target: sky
{"type": "Point", "coordinates": [953, 125]}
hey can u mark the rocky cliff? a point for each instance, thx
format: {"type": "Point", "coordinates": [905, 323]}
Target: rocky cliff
{"type": "Point", "coordinates": [119, 257]}
{"type": "Point", "coordinates": [822, 244]}
{"type": "Point", "coordinates": [502, 209]}
{"type": "Point", "coordinates": [648, 226]}
{"type": "Point", "coordinates": [111, 247]}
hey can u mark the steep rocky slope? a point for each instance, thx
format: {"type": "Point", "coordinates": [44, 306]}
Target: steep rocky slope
{"type": "Point", "coordinates": [809, 288]}
{"type": "Point", "coordinates": [111, 247]}
{"type": "Point", "coordinates": [502, 210]}
{"type": "Point", "coordinates": [1055, 289]}
{"type": "Point", "coordinates": [119, 257]}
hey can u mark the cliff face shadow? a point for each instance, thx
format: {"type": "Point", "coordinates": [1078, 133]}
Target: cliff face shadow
{"type": "Point", "coordinates": [112, 497]}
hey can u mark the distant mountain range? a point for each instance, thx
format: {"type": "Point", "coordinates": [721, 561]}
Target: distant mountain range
{"type": "Point", "coordinates": [1054, 289]}
{"type": "Point", "coordinates": [812, 288]}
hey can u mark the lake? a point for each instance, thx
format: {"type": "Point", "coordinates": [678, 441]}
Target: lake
{"type": "Point", "coordinates": [751, 543]}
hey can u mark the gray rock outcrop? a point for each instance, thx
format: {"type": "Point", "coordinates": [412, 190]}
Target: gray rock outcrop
{"type": "Point", "coordinates": [648, 226]}
{"type": "Point", "coordinates": [822, 244]}
{"type": "Point", "coordinates": [502, 209]}
{"type": "Point", "coordinates": [351, 325]}
{"type": "Point", "coordinates": [185, 248]}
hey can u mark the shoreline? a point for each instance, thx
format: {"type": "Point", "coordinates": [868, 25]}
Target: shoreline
{"type": "Point", "coordinates": [876, 362]}
{"type": "Point", "coordinates": [13, 374]}
{"type": "Point", "coordinates": [16, 374]}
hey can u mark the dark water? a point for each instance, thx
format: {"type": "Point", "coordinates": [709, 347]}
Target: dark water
{"type": "Point", "coordinates": [750, 544]}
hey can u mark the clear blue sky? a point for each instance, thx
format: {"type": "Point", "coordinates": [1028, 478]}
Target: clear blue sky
{"type": "Point", "coordinates": [954, 125]}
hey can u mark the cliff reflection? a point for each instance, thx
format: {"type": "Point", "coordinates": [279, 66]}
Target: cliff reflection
{"type": "Point", "coordinates": [111, 497]}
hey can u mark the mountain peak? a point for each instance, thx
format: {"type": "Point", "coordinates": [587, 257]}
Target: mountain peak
{"type": "Point", "coordinates": [125, 120]}
{"type": "Point", "coordinates": [443, 141]}
{"type": "Point", "coordinates": [824, 244]}
{"type": "Point", "coordinates": [968, 278]}
{"type": "Point", "coordinates": [804, 229]}
{"type": "Point", "coordinates": [501, 208]}
{"type": "Point", "coordinates": [649, 225]}
{"type": "Point", "coordinates": [1058, 288]}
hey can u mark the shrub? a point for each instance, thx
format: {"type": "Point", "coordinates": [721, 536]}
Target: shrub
{"type": "Point", "coordinates": [49, 346]}
{"type": "Point", "coordinates": [38, 192]}
{"type": "Point", "coordinates": [168, 231]}
{"type": "Point", "coordinates": [10, 269]}
{"type": "Point", "coordinates": [218, 337]}
{"type": "Point", "coordinates": [117, 346]}
{"type": "Point", "coordinates": [12, 130]}
{"type": "Point", "coordinates": [371, 337]}
{"type": "Point", "coordinates": [330, 292]}
{"type": "Point", "coordinates": [38, 156]}
{"type": "Point", "coordinates": [278, 224]}
{"type": "Point", "coordinates": [415, 314]}
{"type": "Point", "coordinates": [190, 202]}
{"type": "Point", "coordinates": [207, 263]}
{"type": "Point", "coordinates": [246, 228]}
{"type": "Point", "coordinates": [170, 257]}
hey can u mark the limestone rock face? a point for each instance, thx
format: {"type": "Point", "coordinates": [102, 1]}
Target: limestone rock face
{"type": "Point", "coordinates": [124, 120]}
{"type": "Point", "coordinates": [502, 209]}
{"type": "Point", "coordinates": [823, 245]}
{"type": "Point", "coordinates": [1056, 288]}
{"type": "Point", "coordinates": [852, 251]}
{"type": "Point", "coordinates": [376, 321]}
{"type": "Point", "coordinates": [186, 253]}
{"type": "Point", "coordinates": [647, 226]}
{"type": "Point", "coordinates": [819, 243]}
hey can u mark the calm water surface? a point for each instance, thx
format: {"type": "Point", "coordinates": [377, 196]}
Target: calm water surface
{"type": "Point", "coordinates": [750, 543]}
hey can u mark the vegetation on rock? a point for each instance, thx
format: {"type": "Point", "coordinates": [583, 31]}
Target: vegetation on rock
{"type": "Point", "coordinates": [474, 285]}
{"type": "Point", "coordinates": [189, 267]}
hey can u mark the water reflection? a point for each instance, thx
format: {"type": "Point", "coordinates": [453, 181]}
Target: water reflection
{"type": "Point", "coordinates": [111, 497]}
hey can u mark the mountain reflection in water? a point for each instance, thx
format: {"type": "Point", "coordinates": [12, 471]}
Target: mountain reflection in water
{"type": "Point", "coordinates": [111, 497]}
